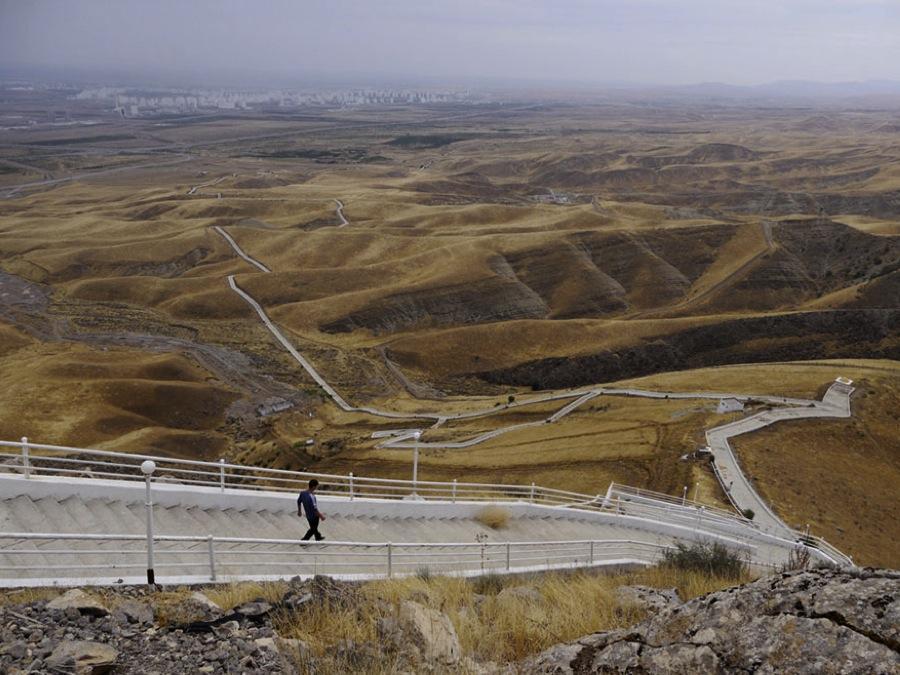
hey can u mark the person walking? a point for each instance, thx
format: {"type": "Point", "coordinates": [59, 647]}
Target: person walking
{"type": "Point", "coordinates": [307, 502]}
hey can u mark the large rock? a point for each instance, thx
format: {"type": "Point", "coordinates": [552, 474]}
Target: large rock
{"type": "Point", "coordinates": [78, 599]}
{"type": "Point", "coordinates": [84, 656]}
{"type": "Point", "coordinates": [134, 611]}
{"type": "Point", "coordinates": [822, 621]}
{"type": "Point", "coordinates": [295, 655]}
{"type": "Point", "coordinates": [202, 603]}
{"type": "Point", "coordinates": [432, 632]}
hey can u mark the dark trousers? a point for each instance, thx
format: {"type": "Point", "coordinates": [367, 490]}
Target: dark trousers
{"type": "Point", "coordinates": [313, 530]}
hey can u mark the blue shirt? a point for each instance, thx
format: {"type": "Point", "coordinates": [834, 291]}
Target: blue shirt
{"type": "Point", "coordinates": [310, 506]}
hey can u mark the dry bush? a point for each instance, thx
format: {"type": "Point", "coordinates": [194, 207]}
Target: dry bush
{"type": "Point", "coordinates": [798, 559]}
{"type": "Point", "coordinates": [709, 558]}
{"type": "Point", "coordinates": [689, 584]}
{"type": "Point", "coordinates": [493, 516]}
{"type": "Point", "coordinates": [325, 625]}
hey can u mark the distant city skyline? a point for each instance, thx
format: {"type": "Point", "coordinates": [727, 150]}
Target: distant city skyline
{"type": "Point", "coordinates": [651, 42]}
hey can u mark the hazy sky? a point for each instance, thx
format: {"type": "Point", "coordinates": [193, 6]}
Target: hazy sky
{"type": "Point", "coordinates": [645, 41]}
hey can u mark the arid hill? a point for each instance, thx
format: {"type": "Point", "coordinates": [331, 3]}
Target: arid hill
{"type": "Point", "coordinates": [481, 252]}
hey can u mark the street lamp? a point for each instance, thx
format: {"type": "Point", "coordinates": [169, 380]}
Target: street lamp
{"type": "Point", "coordinates": [148, 467]}
{"type": "Point", "coordinates": [416, 436]}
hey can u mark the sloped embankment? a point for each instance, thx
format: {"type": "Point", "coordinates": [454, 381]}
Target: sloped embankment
{"type": "Point", "coordinates": [864, 333]}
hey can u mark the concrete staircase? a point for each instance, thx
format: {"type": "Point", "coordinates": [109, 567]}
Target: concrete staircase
{"type": "Point", "coordinates": [89, 509]}
{"type": "Point", "coordinates": [66, 530]}
{"type": "Point", "coordinates": [76, 515]}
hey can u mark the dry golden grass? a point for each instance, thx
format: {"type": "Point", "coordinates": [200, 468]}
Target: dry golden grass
{"type": "Point", "coordinates": [24, 596]}
{"type": "Point", "coordinates": [493, 627]}
{"type": "Point", "coordinates": [229, 596]}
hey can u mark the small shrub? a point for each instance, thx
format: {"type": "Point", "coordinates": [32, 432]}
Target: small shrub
{"type": "Point", "coordinates": [749, 514]}
{"type": "Point", "coordinates": [494, 517]}
{"type": "Point", "coordinates": [423, 573]}
{"type": "Point", "coordinates": [713, 559]}
{"type": "Point", "coordinates": [798, 559]}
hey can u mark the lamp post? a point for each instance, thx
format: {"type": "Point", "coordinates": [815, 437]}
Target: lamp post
{"type": "Point", "coordinates": [148, 467]}
{"type": "Point", "coordinates": [416, 436]}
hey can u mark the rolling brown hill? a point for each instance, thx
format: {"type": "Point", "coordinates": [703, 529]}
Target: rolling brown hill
{"type": "Point", "coordinates": [493, 251]}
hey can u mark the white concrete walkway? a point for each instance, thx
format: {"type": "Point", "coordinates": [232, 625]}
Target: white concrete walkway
{"type": "Point", "coordinates": [835, 403]}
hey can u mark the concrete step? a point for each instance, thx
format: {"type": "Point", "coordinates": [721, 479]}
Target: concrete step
{"type": "Point", "coordinates": [250, 519]}
{"type": "Point", "coordinates": [26, 517]}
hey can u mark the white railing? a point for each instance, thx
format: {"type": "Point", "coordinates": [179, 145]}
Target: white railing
{"type": "Point", "coordinates": [56, 460]}
{"type": "Point", "coordinates": [219, 558]}
{"type": "Point", "coordinates": [639, 495]}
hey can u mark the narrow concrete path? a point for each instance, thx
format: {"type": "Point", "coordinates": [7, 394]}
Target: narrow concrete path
{"type": "Point", "coordinates": [835, 403]}
{"type": "Point", "coordinates": [194, 188]}
{"type": "Point", "coordinates": [237, 249]}
{"type": "Point", "coordinates": [738, 488]}
{"type": "Point", "coordinates": [340, 213]}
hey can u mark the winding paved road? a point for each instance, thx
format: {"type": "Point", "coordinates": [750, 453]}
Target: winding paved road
{"type": "Point", "coordinates": [741, 493]}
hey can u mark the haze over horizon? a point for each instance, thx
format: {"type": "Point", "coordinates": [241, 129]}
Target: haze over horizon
{"type": "Point", "coordinates": [658, 42]}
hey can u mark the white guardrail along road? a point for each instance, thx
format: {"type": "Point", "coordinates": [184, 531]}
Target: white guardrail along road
{"type": "Point", "coordinates": [75, 515]}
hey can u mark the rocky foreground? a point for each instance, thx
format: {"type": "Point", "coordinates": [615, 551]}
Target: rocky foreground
{"type": "Point", "coordinates": [803, 622]}
{"type": "Point", "coordinates": [822, 621]}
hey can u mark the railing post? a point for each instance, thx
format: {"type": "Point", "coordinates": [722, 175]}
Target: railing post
{"type": "Point", "coordinates": [508, 567]}
{"type": "Point", "coordinates": [415, 477]}
{"type": "Point", "coordinates": [350, 477]}
{"type": "Point", "coordinates": [390, 565]}
{"type": "Point", "coordinates": [26, 462]}
{"type": "Point", "coordinates": [148, 467]}
{"type": "Point", "coordinates": [591, 557]}
{"type": "Point", "coordinates": [222, 474]}
{"type": "Point", "coordinates": [454, 490]}
{"type": "Point", "coordinates": [482, 556]}
{"type": "Point", "coordinates": [684, 496]}
{"type": "Point", "coordinates": [212, 558]}
{"type": "Point", "coordinates": [531, 498]}
{"type": "Point", "coordinates": [607, 501]}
